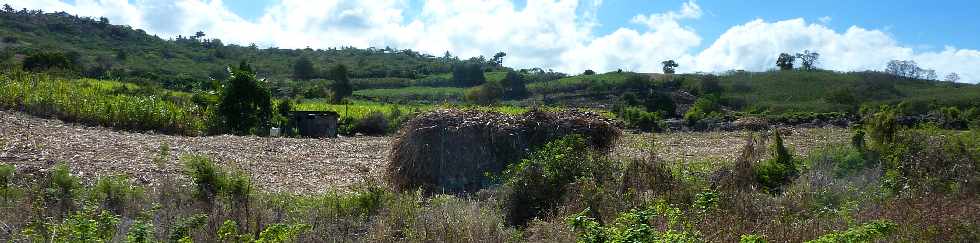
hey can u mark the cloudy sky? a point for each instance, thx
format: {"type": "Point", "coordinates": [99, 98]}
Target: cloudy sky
{"type": "Point", "coordinates": [570, 35]}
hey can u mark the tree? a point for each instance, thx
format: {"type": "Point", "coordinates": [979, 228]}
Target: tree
{"type": "Point", "coordinates": [709, 85]}
{"type": "Point", "coordinates": [953, 77]}
{"type": "Point", "coordinates": [246, 105]}
{"type": "Point", "coordinates": [514, 85]}
{"type": "Point", "coordinates": [485, 94]}
{"type": "Point", "coordinates": [7, 8]}
{"type": "Point", "coordinates": [198, 36]}
{"type": "Point", "coordinates": [468, 74]}
{"type": "Point", "coordinates": [909, 69]}
{"type": "Point", "coordinates": [341, 85]}
{"type": "Point", "coordinates": [929, 74]}
{"type": "Point", "coordinates": [808, 60]}
{"type": "Point", "coordinates": [669, 66]}
{"type": "Point", "coordinates": [498, 59]}
{"type": "Point", "coordinates": [303, 69]}
{"type": "Point", "coordinates": [42, 61]}
{"type": "Point", "coordinates": [785, 61]}
{"type": "Point", "coordinates": [589, 72]}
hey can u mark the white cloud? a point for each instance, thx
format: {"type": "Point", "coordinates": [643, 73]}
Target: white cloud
{"type": "Point", "coordinates": [825, 19]}
{"type": "Point", "coordinates": [756, 45]}
{"type": "Point", "coordinates": [545, 33]}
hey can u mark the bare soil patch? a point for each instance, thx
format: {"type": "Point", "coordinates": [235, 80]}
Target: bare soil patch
{"type": "Point", "coordinates": [303, 165]}
{"type": "Point", "coordinates": [275, 164]}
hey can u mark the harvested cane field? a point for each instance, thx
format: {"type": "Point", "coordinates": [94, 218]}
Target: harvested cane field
{"type": "Point", "coordinates": [301, 165]}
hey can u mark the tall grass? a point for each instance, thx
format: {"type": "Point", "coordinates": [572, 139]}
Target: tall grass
{"type": "Point", "coordinates": [97, 102]}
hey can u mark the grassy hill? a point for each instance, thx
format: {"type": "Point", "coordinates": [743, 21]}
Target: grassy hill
{"type": "Point", "coordinates": [97, 48]}
{"type": "Point", "coordinates": [827, 91]}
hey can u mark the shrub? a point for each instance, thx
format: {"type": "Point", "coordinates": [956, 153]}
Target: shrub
{"type": "Point", "coordinates": [229, 233]}
{"type": "Point", "coordinates": [374, 123]}
{"type": "Point", "coordinates": [62, 187]}
{"type": "Point", "coordinates": [662, 103]}
{"type": "Point", "coordinates": [869, 232]}
{"type": "Point", "coordinates": [881, 126]}
{"type": "Point", "coordinates": [514, 85]}
{"type": "Point", "coordinates": [638, 82]}
{"type": "Point", "coordinates": [486, 94]}
{"type": "Point", "coordinates": [641, 119]}
{"type": "Point", "coordinates": [87, 225]}
{"type": "Point", "coordinates": [341, 85]}
{"type": "Point", "coordinates": [142, 231]}
{"type": "Point", "coordinates": [709, 85]}
{"type": "Point", "coordinates": [7, 190]}
{"type": "Point", "coordinates": [42, 61]}
{"type": "Point", "coordinates": [281, 233]}
{"type": "Point", "coordinates": [246, 105]}
{"type": "Point", "coordinates": [704, 107]}
{"type": "Point", "coordinates": [536, 184]}
{"type": "Point", "coordinates": [6, 176]}
{"type": "Point", "coordinates": [207, 177]}
{"type": "Point", "coordinates": [635, 226]}
{"type": "Point", "coordinates": [115, 192]}
{"type": "Point", "coordinates": [952, 118]}
{"type": "Point", "coordinates": [752, 239]}
{"type": "Point", "coordinates": [237, 187]}
{"type": "Point", "coordinates": [631, 99]}
{"type": "Point", "coordinates": [181, 231]}
{"type": "Point", "coordinates": [778, 170]}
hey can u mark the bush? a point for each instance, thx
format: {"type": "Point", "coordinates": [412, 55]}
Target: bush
{"type": "Point", "coordinates": [709, 85]}
{"type": "Point", "coordinates": [374, 123]}
{"type": "Point", "coordinates": [207, 177]}
{"type": "Point", "coordinates": [115, 193]}
{"type": "Point", "coordinates": [705, 107]}
{"type": "Point", "coordinates": [641, 119]}
{"type": "Point", "coordinates": [42, 61]}
{"type": "Point", "coordinates": [536, 184]}
{"type": "Point", "coordinates": [869, 232]}
{"type": "Point", "coordinates": [142, 231]}
{"type": "Point", "coordinates": [62, 187]}
{"type": "Point", "coordinates": [7, 190]}
{"type": "Point", "coordinates": [341, 85]}
{"type": "Point", "coordinates": [88, 225]}
{"type": "Point", "coordinates": [881, 126]}
{"type": "Point", "coordinates": [952, 118]}
{"type": "Point", "coordinates": [778, 170]}
{"type": "Point", "coordinates": [486, 94]}
{"type": "Point", "coordinates": [635, 226]}
{"type": "Point", "coordinates": [662, 103]}
{"type": "Point", "coordinates": [246, 105]}
{"type": "Point", "coordinates": [6, 176]}
{"type": "Point", "coordinates": [181, 231]}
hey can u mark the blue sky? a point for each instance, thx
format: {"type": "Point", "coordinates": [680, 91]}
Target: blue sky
{"type": "Point", "coordinates": [924, 24]}
{"type": "Point", "coordinates": [573, 35]}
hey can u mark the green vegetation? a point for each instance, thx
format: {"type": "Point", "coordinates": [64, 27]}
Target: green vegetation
{"type": "Point", "coordinates": [865, 233]}
{"type": "Point", "coordinates": [780, 169]}
{"type": "Point", "coordinates": [105, 103]}
{"type": "Point", "coordinates": [246, 106]}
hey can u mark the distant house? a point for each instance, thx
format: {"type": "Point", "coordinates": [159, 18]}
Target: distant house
{"type": "Point", "coordinates": [313, 124]}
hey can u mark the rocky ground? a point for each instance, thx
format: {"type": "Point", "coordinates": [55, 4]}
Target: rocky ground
{"type": "Point", "coordinates": [300, 165]}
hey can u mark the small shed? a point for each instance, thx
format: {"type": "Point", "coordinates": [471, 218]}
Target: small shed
{"type": "Point", "coordinates": [313, 124]}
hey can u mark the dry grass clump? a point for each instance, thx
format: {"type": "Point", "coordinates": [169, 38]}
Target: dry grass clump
{"type": "Point", "coordinates": [740, 177]}
{"type": "Point", "coordinates": [454, 150]}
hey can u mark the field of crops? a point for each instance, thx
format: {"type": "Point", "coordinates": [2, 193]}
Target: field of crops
{"type": "Point", "coordinates": [579, 82]}
{"type": "Point", "coordinates": [416, 93]}
{"type": "Point", "coordinates": [100, 102]}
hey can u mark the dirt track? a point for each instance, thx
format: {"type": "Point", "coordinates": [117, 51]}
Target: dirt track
{"type": "Point", "coordinates": [297, 165]}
